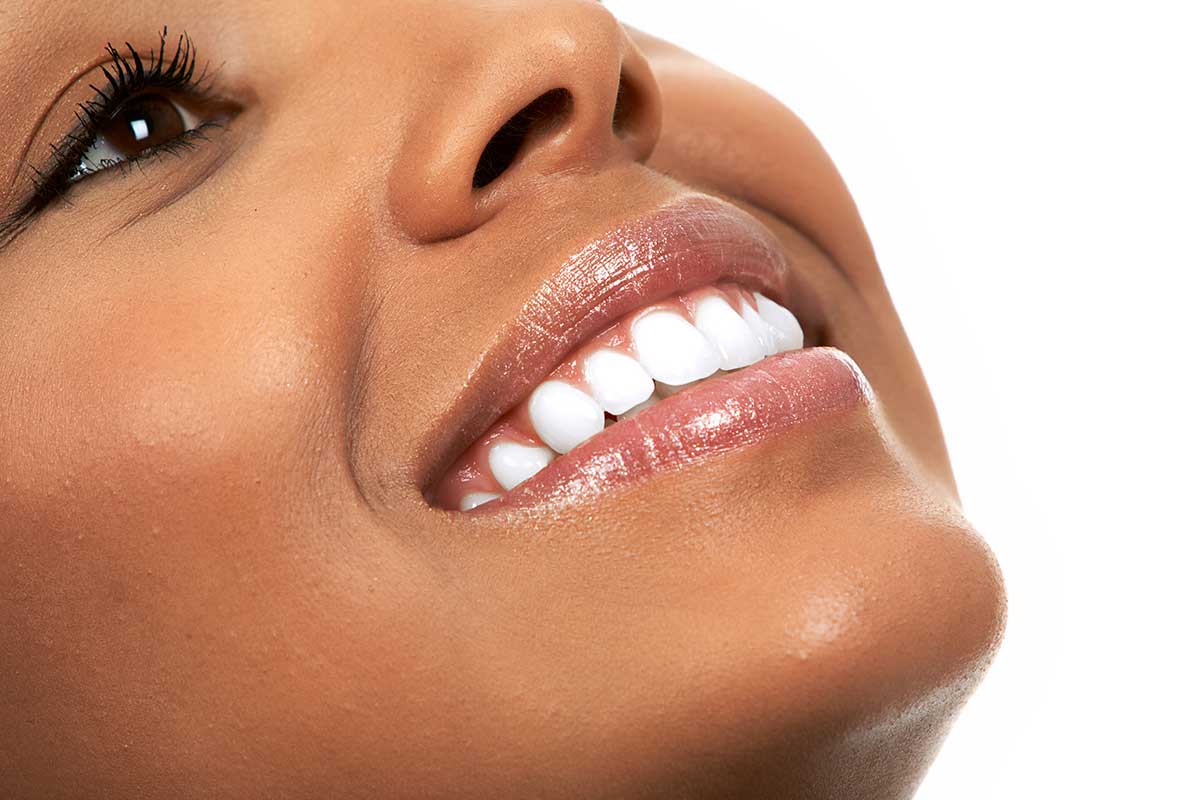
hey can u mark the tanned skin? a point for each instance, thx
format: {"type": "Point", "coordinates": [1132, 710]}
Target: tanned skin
{"type": "Point", "coordinates": [228, 379]}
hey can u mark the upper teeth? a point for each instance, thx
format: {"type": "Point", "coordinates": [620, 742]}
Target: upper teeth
{"type": "Point", "coordinates": [512, 463]}
{"type": "Point", "coordinates": [618, 381]}
{"type": "Point", "coordinates": [729, 333]}
{"type": "Point", "coordinates": [672, 349]}
{"type": "Point", "coordinates": [563, 416]}
{"type": "Point", "coordinates": [780, 324]}
{"type": "Point", "coordinates": [652, 353]}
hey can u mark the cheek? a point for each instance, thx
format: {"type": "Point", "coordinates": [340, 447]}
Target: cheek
{"type": "Point", "coordinates": [154, 390]}
{"type": "Point", "coordinates": [160, 436]}
{"type": "Point", "coordinates": [145, 459]}
{"type": "Point", "coordinates": [142, 402]}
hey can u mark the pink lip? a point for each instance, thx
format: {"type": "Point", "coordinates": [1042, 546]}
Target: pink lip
{"type": "Point", "coordinates": [724, 413]}
{"type": "Point", "coordinates": [692, 242]}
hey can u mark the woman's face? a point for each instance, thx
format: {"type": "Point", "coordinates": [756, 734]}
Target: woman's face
{"type": "Point", "coordinates": [250, 378]}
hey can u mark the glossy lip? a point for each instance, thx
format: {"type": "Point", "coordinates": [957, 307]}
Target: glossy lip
{"type": "Point", "coordinates": [726, 412]}
{"type": "Point", "coordinates": [691, 242]}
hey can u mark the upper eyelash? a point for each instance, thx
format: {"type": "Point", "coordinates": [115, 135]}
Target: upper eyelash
{"type": "Point", "coordinates": [130, 74]}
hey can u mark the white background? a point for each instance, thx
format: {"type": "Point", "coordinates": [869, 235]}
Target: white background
{"type": "Point", "coordinates": [1029, 172]}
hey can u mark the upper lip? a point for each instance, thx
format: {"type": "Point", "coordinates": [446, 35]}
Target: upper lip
{"type": "Point", "coordinates": [692, 241]}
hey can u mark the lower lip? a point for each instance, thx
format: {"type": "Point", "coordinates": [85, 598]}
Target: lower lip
{"type": "Point", "coordinates": [725, 413]}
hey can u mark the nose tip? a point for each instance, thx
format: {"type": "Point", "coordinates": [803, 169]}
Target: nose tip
{"type": "Point", "coordinates": [551, 89]}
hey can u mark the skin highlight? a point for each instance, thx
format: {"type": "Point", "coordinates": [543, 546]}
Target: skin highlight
{"type": "Point", "coordinates": [230, 379]}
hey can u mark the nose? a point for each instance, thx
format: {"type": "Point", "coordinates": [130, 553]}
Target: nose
{"type": "Point", "coordinates": [540, 90]}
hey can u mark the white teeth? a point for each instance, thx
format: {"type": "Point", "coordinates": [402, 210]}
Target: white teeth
{"type": "Point", "coordinates": [761, 330]}
{"type": "Point", "coordinates": [618, 382]}
{"type": "Point", "coordinates": [672, 350]}
{"type": "Point", "coordinates": [476, 499]}
{"type": "Point", "coordinates": [663, 352]}
{"type": "Point", "coordinates": [728, 332]}
{"type": "Point", "coordinates": [640, 407]}
{"type": "Point", "coordinates": [513, 464]}
{"type": "Point", "coordinates": [563, 416]}
{"type": "Point", "coordinates": [787, 330]}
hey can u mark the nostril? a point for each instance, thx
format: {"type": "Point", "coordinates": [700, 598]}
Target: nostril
{"type": "Point", "coordinates": [530, 123]}
{"type": "Point", "coordinates": [626, 109]}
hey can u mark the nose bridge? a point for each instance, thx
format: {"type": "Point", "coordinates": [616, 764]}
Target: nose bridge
{"type": "Point", "coordinates": [532, 92]}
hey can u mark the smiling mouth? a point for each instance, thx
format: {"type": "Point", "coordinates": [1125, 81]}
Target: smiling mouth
{"type": "Point", "coordinates": [695, 357]}
{"type": "Point", "coordinates": [652, 354]}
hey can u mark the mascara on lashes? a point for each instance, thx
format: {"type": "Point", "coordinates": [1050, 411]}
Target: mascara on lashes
{"type": "Point", "coordinates": [128, 76]}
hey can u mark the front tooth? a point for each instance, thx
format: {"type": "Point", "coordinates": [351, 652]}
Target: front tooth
{"type": "Point", "coordinates": [476, 499]}
{"type": "Point", "coordinates": [618, 382]}
{"type": "Point", "coordinates": [761, 330]}
{"type": "Point", "coordinates": [513, 464]}
{"type": "Point", "coordinates": [789, 335]}
{"type": "Point", "coordinates": [672, 350]}
{"type": "Point", "coordinates": [640, 407]}
{"type": "Point", "coordinates": [728, 332]}
{"type": "Point", "coordinates": [563, 416]}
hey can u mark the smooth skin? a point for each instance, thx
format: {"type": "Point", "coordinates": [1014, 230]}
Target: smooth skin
{"type": "Point", "coordinates": [227, 380]}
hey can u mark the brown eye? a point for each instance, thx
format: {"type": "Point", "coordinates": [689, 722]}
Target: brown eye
{"type": "Point", "coordinates": [143, 123]}
{"type": "Point", "coordinates": [140, 125]}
